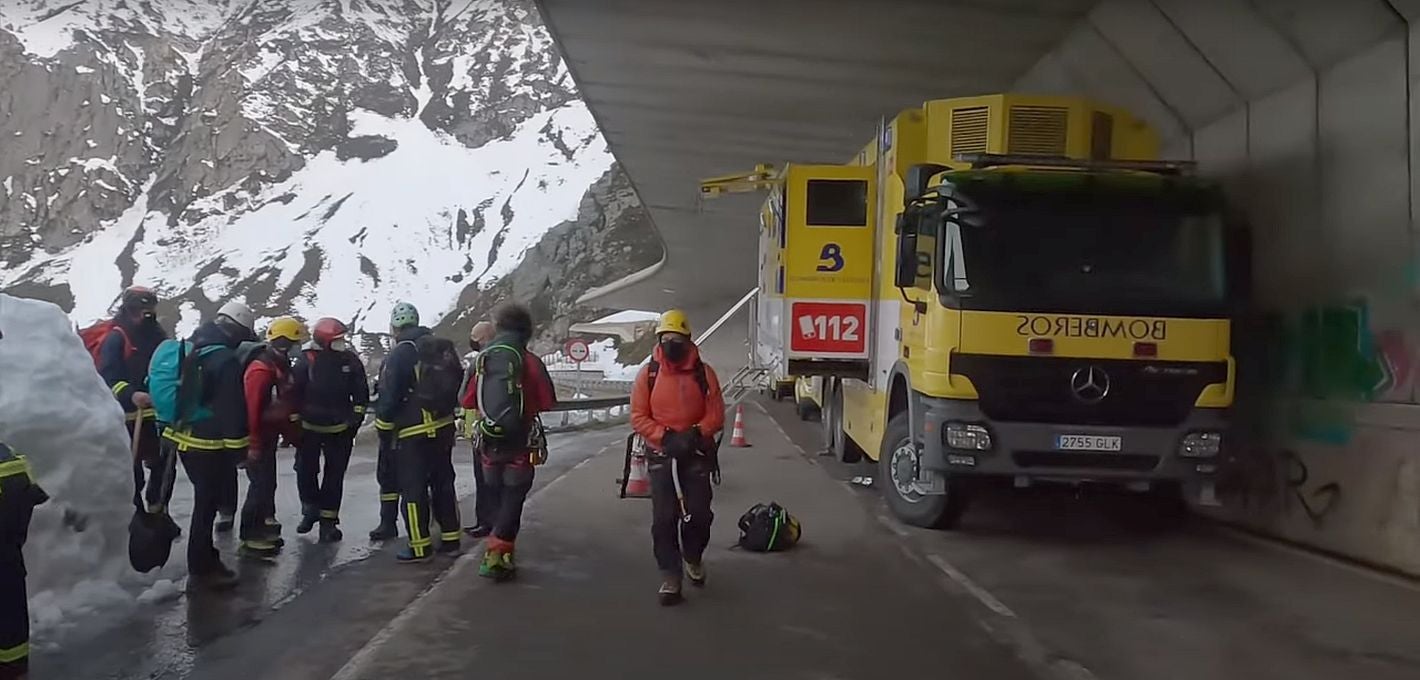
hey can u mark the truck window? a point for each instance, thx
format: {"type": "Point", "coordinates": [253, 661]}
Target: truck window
{"type": "Point", "coordinates": [1094, 254]}
{"type": "Point", "coordinates": [836, 203]}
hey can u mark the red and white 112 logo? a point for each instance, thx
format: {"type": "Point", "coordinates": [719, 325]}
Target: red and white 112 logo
{"type": "Point", "coordinates": [830, 327]}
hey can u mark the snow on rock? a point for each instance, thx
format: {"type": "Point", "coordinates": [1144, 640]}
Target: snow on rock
{"type": "Point", "coordinates": [55, 409]}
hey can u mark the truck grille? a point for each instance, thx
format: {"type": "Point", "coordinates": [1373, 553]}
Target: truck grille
{"type": "Point", "coordinates": [969, 129]}
{"type": "Point", "coordinates": [1039, 389]}
{"type": "Point", "coordinates": [1136, 462]}
{"type": "Point", "coordinates": [1038, 130]}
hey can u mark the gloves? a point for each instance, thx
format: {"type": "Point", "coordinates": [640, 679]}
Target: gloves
{"type": "Point", "coordinates": [677, 444]}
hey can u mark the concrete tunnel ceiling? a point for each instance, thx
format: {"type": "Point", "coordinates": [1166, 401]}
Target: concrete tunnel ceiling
{"type": "Point", "coordinates": [688, 90]}
{"type": "Point", "coordinates": [1274, 96]}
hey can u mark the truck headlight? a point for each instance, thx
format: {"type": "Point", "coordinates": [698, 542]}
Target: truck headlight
{"type": "Point", "coordinates": [1201, 445]}
{"type": "Point", "coordinates": [966, 436]}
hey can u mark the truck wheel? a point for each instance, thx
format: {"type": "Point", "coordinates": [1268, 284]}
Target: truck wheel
{"type": "Point", "coordinates": [838, 442]}
{"type": "Point", "coordinates": [896, 466]}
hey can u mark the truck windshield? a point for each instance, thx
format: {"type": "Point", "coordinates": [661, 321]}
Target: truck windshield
{"type": "Point", "coordinates": [1097, 252]}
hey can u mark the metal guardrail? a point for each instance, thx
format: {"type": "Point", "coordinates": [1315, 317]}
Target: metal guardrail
{"type": "Point", "coordinates": [591, 404]}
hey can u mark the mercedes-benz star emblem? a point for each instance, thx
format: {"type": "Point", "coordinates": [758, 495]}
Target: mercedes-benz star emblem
{"type": "Point", "coordinates": [1090, 384]}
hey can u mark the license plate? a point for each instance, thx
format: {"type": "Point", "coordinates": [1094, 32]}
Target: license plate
{"type": "Point", "coordinates": [1087, 442]}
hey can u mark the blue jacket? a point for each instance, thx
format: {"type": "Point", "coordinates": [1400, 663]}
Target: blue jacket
{"type": "Point", "coordinates": [393, 408]}
{"type": "Point", "coordinates": [128, 374]}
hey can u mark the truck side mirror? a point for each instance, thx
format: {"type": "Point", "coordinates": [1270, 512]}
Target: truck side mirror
{"type": "Point", "coordinates": [919, 176]}
{"type": "Point", "coordinates": [905, 275]}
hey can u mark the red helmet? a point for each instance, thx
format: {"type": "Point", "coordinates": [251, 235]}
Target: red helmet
{"type": "Point", "coordinates": [328, 330]}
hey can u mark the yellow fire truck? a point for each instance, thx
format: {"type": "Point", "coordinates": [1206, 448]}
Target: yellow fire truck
{"type": "Point", "coordinates": [1006, 287]}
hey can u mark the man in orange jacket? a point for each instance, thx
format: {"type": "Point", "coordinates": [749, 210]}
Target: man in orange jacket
{"type": "Point", "coordinates": [677, 408]}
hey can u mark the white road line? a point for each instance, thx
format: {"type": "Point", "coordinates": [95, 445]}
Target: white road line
{"type": "Point", "coordinates": [977, 591]}
{"type": "Point", "coordinates": [362, 658]}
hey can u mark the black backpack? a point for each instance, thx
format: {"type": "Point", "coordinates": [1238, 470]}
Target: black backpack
{"type": "Point", "coordinates": [438, 375]}
{"type": "Point", "coordinates": [768, 528]}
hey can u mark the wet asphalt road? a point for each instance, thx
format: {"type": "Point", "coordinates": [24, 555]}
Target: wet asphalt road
{"type": "Point", "coordinates": [310, 604]}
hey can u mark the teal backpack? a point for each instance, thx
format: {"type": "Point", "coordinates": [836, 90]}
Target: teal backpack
{"type": "Point", "coordinates": [176, 384]}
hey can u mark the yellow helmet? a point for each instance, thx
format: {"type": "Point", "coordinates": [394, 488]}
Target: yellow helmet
{"type": "Point", "coordinates": [673, 321]}
{"type": "Point", "coordinates": [287, 327]}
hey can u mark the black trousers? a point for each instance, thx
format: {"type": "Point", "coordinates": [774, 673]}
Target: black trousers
{"type": "Point", "coordinates": [386, 472]}
{"type": "Point", "coordinates": [227, 495]}
{"type": "Point", "coordinates": [509, 478]}
{"type": "Point", "coordinates": [148, 488]}
{"type": "Point", "coordinates": [212, 473]}
{"type": "Point", "coordinates": [323, 492]}
{"type": "Point", "coordinates": [426, 480]}
{"type": "Point", "coordinates": [16, 508]}
{"type": "Point", "coordinates": [14, 615]}
{"type": "Point", "coordinates": [485, 497]}
{"type": "Point", "coordinates": [261, 493]}
{"type": "Point", "coordinates": [674, 537]}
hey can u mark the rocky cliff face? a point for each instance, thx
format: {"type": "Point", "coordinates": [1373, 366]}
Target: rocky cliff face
{"type": "Point", "coordinates": [317, 157]}
{"type": "Point", "coordinates": [611, 236]}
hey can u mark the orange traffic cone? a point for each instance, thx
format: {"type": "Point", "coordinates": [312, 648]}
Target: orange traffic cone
{"type": "Point", "coordinates": [737, 437]}
{"type": "Point", "coordinates": [638, 481]}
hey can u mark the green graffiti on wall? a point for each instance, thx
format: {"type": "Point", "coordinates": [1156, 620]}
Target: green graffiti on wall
{"type": "Point", "coordinates": [1331, 355]}
{"type": "Point", "coordinates": [1338, 355]}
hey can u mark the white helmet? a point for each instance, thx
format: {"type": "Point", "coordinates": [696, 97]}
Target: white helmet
{"type": "Point", "coordinates": [240, 313]}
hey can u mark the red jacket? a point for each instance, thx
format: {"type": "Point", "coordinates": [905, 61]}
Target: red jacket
{"type": "Point", "coordinates": [678, 402]}
{"type": "Point", "coordinates": [271, 404]}
{"type": "Point", "coordinates": [539, 394]}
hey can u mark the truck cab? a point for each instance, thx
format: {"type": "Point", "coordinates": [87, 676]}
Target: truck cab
{"type": "Point", "coordinates": [1077, 329]}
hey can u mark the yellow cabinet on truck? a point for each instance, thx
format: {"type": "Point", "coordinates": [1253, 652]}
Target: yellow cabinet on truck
{"type": "Point", "coordinates": [1047, 304]}
{"type": "Point", "coordinates": [816, 273]}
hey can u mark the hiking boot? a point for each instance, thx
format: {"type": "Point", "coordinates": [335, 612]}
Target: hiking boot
{"type": "Point", "coordinates": [498, 566]}
{"type": "Point", "coordinates": [215, 577]}
{"type": "Point", "coordinates": [259, 550]}
{"type": "Point", "coordinates": [384, 532]}
{"type": "Point", "coordinates": [695, 571]}
{"type": "Point", "coordinates": [330, 531]}
{"type": "Point", "coordinates": [406, 555]}
{"type": "Point", "coordinates": [669, 594]}
{"type": "Point", "coordinates": [450, 548]}
{"type": "Point", "coordinates": [478, 531]}
{"type": "Point", "coordinates": [225, 521]}
{"type": "Point", "coordinates": [309, 515]}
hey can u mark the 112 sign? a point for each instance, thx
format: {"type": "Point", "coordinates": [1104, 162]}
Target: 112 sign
{"type": "Point", "coordinates": [828, 327]}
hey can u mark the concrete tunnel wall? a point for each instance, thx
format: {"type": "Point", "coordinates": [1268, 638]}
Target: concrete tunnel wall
{"type": "Point", "coordinates": [1304, 109]}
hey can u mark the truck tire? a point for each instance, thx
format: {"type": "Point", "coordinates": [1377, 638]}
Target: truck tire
{"type": "Point", "coordinates": [919, 510]}
{"type": "Point", "coordinates": [836, 438]}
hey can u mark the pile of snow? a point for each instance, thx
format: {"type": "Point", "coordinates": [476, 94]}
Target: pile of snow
{"type": "Point", "coordinates": [55, 409]}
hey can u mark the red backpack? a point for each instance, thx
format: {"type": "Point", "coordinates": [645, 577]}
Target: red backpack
{"type": "Point", "coordinates": [94, 337]}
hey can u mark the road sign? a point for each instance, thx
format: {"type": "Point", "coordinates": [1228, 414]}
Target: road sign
{"type": "Point", "coordinates": [577, 350]}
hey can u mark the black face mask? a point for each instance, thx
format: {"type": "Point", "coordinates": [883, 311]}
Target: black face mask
{"type": "Point", "coordinates": [675, 351]}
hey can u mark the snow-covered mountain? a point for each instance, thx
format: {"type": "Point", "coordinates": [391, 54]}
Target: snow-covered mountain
{"type": "Point", "coordinates": [316, 157]}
